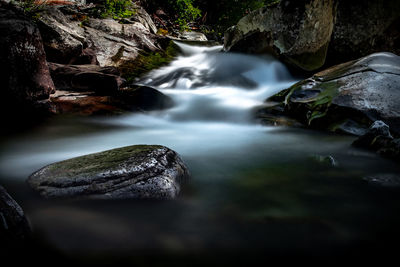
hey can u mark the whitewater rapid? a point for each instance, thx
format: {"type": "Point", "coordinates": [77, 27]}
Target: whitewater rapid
{"type": "Point", "coordinates": [214, 95]}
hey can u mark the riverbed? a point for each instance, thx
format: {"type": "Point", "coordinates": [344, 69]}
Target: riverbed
{"type": "Point", "coordinates": [253, 188]}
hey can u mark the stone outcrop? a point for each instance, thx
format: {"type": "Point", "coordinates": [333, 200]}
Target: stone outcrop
{"type": "Point", "coordinates": [364, 27]}
{"type": "Point", "coordinates": [310, 34]}
{"type": "Point", "coordinates": [297, 32]}
{"type": "Point", "coordinates": [67, 32]}
{"type": "Point", "coordinates": [25, 78]}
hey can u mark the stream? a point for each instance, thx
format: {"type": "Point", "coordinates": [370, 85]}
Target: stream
{"type": "Point", "coordinates": [254, 188]}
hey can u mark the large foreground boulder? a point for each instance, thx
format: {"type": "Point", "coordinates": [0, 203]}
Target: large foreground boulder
{"type": "Point", "coordinates": [296, 31]}
{"type": "Point", "coordinates": [345, 98]}
{"type": "Point", "coordinates": [140, 171]}
{"type": "Point", "coordinates": [14, 227]}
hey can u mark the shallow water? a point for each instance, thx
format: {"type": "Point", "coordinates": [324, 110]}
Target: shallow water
{"type": "Point", "coordinates": [253, 188]}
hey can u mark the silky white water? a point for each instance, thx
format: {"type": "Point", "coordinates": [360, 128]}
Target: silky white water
{"type": "Point", "coordinates": [214, 95]}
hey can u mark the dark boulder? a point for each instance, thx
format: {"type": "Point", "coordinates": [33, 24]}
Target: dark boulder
{"type": "Point", "coordinates": [14, 227]}
{"type": "Point", "coordinates": [364, 27]}
{"type": "Point", "coordinates": [298, 32]}
{"type": "Point", "coordinates": [143, 98]}
{"type": "Point", "coordinates": [378, 130]}
{"type": "Point", "coordinates": [136, 99]}
{"type": "Point", "coordinates": [379, 139]}
{"type": "Point", "coordinates": [140, 171]}
{"type": "Point", "coordinates": [24, 77]}
{"type": "Point", "coordinates": [102, 80]}
{"type": "Point", "coordinates": [310, 34]}
{"type": "Point", "coordinates": [347, 97]}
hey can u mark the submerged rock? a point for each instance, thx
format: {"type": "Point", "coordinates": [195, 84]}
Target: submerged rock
{"type": "Point", "coordinates": [347, 97]}
{"type": "Point", "coordinates": [140, 171]}
{"type": "Point", "coordinates": [328, 161]}
{"type": "Point", "coordinates": [385, 180]}
{"type": "Point", "coordinates": [379, 139]}
{"type": "Point", "coordinates": [14, 226]}
{"type": "Point", "coordinates": [298, 32]}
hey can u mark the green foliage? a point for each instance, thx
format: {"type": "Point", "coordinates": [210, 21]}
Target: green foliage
{"type": "Point", "coordinates": [117, 9]}
{"type": "Point", "coordinates": [147, 61]}
{"type": "Point", "coordinates": [31, 8]}
{"type": "Point", "coordinates": [185, 12]}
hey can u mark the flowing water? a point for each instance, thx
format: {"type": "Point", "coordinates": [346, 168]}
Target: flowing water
{"type": "Point", "coordinates": [253, 188]}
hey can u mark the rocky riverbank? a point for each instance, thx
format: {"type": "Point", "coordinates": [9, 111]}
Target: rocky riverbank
{"type": "Point", "coordinates": [64, 59]}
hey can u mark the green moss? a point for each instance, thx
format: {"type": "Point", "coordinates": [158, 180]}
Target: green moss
{"type": "Point", "coordinates": [147, 61]}
{"type": "Point", "coordinates": [316, 107]}
{"type": "Point", "coordinates": [319, 106]}
{"type": "Point", "coordinates": [98, 162]}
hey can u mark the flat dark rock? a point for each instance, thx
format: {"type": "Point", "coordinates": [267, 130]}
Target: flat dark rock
{"type": "Point", "coordinates": [140, 171]}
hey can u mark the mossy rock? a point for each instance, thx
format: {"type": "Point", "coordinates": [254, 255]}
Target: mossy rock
{"type": "Point", "coordinates": [140, 171]}
{"type": "Point", "coordinates": [347, 98]}
{"type": "Point", "coordinates": [147, 61]}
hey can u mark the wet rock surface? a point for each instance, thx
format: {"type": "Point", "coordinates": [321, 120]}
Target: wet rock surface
{"type": "Point", "coordinates": [141, 171]}
{"type": "Point", "coordinates": [379, 139]}
{"type": "Point", "coordinates": [346, 98]}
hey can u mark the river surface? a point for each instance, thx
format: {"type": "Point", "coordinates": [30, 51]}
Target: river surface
{"type": "Point", "coordinates": [253, 188]}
